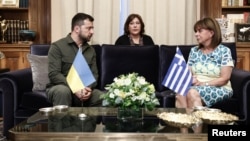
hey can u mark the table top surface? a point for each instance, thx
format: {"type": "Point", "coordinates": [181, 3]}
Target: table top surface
{"type": "Point", "coordinates": [95, 119]}
{"type": "Point", "coordinates": [100, 123]}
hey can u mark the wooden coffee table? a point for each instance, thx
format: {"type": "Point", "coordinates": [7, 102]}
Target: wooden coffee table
{"type": "Point", "coordinates": [100, 124]}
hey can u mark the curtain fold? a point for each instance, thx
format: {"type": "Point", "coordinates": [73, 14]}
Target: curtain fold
{"type": "Point", "coordinates": [166, 21]}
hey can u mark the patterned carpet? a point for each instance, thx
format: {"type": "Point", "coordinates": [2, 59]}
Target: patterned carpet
{"type": "Point", "coordinates": [2, 138]}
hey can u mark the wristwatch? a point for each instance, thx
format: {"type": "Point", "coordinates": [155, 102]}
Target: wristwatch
{"type": "Point", "coordinates": [206, 83]}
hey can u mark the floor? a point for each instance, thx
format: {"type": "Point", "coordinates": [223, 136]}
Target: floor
{"type": "Point", "coordinates": [2, 138]}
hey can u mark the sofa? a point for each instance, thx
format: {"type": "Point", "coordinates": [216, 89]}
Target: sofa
{"type": "Point", "coordinates": [20, 100]}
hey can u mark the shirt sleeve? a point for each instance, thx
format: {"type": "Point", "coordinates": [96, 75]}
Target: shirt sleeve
{"type": "Point", "coordinates": [227, 59]}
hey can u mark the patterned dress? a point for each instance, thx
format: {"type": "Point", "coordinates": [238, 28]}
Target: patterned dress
{"type": "Point", "coordinates": [207, 67]}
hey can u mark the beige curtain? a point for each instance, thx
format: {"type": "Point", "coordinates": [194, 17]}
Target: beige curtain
{"type": "Point", "coordinates": [166, 21]}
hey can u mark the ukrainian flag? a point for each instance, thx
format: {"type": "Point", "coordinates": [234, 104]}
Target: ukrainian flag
{"type": "Point", "coordinates": [80, 75]}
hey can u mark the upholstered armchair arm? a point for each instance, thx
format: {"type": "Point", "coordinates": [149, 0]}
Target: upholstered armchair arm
{"type": "Point", "coordinates": [12, 86]}
{"type": "Point", "coordinates": [240, 80]}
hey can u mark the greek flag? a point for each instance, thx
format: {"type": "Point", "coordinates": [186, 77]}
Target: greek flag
{"type": "Point", "coordinates": [178, 77]}
{"type": "Point", "coordinates": [79, 75]}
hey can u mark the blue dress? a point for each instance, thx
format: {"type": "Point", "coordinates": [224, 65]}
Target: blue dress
{"type": "Point", "coordinates": [207, 67]}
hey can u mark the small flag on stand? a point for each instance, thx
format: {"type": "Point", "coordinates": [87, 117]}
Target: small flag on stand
{"type": "Point", "coordinates": [178, 77]}
{"type": "Point", "coordinates": [79, 75]}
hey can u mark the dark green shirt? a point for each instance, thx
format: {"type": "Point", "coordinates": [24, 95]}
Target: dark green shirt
{"type": "Point", "coordinates": [61, 56]}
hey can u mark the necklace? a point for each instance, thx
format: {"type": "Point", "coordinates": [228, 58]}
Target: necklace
{"type": "Point", "coordinates": [133, 44]}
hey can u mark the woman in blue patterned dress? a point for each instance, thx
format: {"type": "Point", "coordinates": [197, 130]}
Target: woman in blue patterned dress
{"type": "Point", "coordinates": [211, 65]}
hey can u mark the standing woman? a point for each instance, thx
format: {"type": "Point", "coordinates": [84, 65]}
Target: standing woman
{"type": "Point", "coordinates": [134, 32]}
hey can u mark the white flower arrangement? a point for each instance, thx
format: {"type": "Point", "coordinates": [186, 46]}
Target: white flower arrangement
{"type": "Point", "coordinates": [130, 91]}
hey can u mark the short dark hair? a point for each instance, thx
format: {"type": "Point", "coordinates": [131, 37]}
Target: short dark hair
{"type": "Point", "coordinates": [129, 19]}
{"type": "Point", "coordinates": [210, 24]}
{"type": "Point", "coordinates": [78, 19]}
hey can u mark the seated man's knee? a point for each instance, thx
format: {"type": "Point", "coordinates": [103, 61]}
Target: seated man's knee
{"type": "Point", "coordinates": [59, 92]}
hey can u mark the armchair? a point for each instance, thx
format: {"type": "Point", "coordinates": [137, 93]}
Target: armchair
{"type": "Point", "coordinates": [19, 102]}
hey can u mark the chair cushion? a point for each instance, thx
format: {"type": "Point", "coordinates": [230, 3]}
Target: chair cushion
{"type": "Point", "coordinates": [39, 49]}
{"type": "Point", "coordinates": [39, 67]}
{"type": "Point", "coordinates": [127, 59]}
{"type": "Point", "coordinates": [35, 100]}
{"type": "Point", "coordinates": [229, 106]}
{"type": "Point", "coordinates": [98, 50]}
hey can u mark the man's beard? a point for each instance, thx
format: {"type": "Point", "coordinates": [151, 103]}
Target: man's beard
{"type": "Point", "coordinates": [84, 38]}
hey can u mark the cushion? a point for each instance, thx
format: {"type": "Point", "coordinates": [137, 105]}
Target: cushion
{"type": "Point", "coordinates": [35, 100]}
{"type": "Point", "coordinates": [142, 60]}
{"type": "Point", "coordinates": [39, 67]}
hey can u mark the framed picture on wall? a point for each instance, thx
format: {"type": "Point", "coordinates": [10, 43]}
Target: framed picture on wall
{"type": "Point", "coordinates": [9, 3]}
{"type": "Point", "coordinates": [242, 33]}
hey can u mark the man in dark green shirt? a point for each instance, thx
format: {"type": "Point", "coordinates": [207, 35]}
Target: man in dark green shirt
{"type": "Point", "coordinates": [61, 56]}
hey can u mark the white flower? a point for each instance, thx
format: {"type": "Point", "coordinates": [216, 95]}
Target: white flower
{"type": "Point", "coordinates": [130, 91]}
{"type": "Point", "coordinates": [141, 80]}
{"type": "Point", "coordinates": [127, 81]}
{"type": "Point", "coordinates": [111, 95]}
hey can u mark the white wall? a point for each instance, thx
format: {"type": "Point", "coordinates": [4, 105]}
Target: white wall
{"type": "Point", "coordinates": [166, 21]}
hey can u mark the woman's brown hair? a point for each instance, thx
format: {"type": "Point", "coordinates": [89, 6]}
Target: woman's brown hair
{"type": "Point", "coordinates": [210, 24]}
{"type": "Point", "coordinates": [129, 19]}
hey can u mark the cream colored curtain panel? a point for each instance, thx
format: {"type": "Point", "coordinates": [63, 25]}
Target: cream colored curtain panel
{"type": "Point", "coordinates": [166, 21]}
